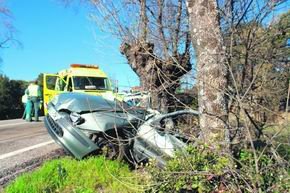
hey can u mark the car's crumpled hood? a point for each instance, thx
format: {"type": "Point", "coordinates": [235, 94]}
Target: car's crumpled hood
{"type": "Point", "coordinates": [79, 102]}
{"type": "Point", "coordinates": [99, 114]}
{"type": "Point", "coordinates": [103, 121]}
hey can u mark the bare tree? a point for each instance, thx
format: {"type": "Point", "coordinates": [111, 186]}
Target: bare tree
{"type": "Point", "coordinates": [7, 30]}
{"type": "Point", "coordinates": [155, 40]}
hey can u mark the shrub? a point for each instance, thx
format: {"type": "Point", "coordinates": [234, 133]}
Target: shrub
{"type": "Point", "coordinates": [199, 169]}
{"type": "Point", "coordinates": [195, 170]}
{"type": "Point", "coordinates": [266, 174]}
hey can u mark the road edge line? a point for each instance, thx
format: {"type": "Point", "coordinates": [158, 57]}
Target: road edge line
{"type": "Point", "coordinates": [13, 153]}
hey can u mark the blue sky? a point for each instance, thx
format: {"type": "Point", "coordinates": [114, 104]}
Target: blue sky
{"type": "Point", "coordinates": [53, 37]}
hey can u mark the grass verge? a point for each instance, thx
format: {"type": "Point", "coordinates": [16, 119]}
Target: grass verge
{"type": "Point", "coordinates": [95, 174]}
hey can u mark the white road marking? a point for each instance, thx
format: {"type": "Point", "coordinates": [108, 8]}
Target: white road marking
{"type": "Point", "coordinates": [25, 149]}
{"type": "Point", "coordinates": [11, 120]}
{"type": "Point", "coordinates": [10, 124]}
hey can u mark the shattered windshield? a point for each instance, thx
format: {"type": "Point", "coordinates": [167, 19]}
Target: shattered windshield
{"type": "Point", "coordinates": [90, 83]}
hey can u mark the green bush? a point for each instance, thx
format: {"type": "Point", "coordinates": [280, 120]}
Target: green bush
{"type": "Point", "coordinates": [199, 169]}
{"type": "Point", "coordinates": [95, 174]}
{"type": "Point", "coordinates": [272, 175]}
{"type": "Point", "coordinates": [11, 92]}
{"type": "Point", "coordinates": [195, 170]}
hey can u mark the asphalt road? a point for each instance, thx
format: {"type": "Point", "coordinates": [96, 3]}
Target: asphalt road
{"type": "Point", "coordinates": [23, 144]}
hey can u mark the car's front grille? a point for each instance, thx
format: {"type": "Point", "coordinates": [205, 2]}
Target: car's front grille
{"type": "Point", "coordinates": [55, 127]}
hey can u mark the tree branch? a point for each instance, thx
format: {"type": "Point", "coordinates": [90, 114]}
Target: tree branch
{"type": "Point", "coordinates": [177, 29]}
{"type": "Point", "coordinates": [160, 27]}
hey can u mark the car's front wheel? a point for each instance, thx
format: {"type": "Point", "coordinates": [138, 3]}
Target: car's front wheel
{"type": "Point", "coordinates": [111, 147]}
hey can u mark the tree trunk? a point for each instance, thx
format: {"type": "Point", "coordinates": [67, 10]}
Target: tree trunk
{"type": "Point", "coordinates": [160, 78]}
{"type": "Point", "coordinates": [211, 71]}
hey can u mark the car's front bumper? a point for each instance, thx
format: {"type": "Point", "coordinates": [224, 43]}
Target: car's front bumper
{"type": "Point", "coordinates": [69, 137]}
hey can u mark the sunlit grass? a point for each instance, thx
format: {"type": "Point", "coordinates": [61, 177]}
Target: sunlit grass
{"type": "Point", "coordinates": [95, 174]}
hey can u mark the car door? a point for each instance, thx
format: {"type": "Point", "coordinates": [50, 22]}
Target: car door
{"type": "Point", "coordinates": [53, 85]}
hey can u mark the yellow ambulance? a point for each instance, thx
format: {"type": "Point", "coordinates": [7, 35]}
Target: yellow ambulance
{"type": "Point", "coordinates": [88, 79]}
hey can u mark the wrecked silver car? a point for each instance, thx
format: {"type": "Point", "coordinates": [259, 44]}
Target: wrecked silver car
{"type": "Point", "coordinates": [85, 124]}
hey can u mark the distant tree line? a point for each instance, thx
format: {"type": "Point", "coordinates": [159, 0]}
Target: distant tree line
{"type": "Point", "coordinates": [11, 92]}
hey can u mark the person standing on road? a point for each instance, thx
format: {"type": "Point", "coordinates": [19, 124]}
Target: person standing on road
{"type": "Point", "coordinates": [24, 99]}
{"type": "Point", "coordinates": [34, 97]}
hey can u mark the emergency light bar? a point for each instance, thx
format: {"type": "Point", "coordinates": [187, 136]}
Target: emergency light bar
{"type": "Point", "coordinates": [84, 66]}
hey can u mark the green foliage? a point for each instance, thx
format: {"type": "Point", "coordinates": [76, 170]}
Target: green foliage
{"type": "Point", "coordinates": [68, 175]}
{"type": "Point", "coordinates": [200, 169]}
{"type": "Point", "coordinates": [197, 169]}
{"type": "Point", "coordinates": [11, 92]}
{"type": "Point", "coordinates": [284, 150]}
{"type": "Point", "coordinates": [4, 97]}
{"type": "Point", "coordinates": [271, 176]}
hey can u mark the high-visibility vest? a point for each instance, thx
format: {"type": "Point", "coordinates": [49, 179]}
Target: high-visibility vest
{"type": "Point", "coordinates": [33, 90]}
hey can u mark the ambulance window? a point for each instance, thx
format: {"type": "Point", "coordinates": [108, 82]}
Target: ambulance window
{"type": "Point", "coordinates": [50, 82]}
{"type": "Point", "coordinates": [90, 83]}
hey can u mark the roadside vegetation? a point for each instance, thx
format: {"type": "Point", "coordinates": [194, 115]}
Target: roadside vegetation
{"type": "Point", "coordinates": [95, 174]}
{"type": "Point", "coordinates": [11, 92]}
{"type": "Point", "coordinates": [200, 169]}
